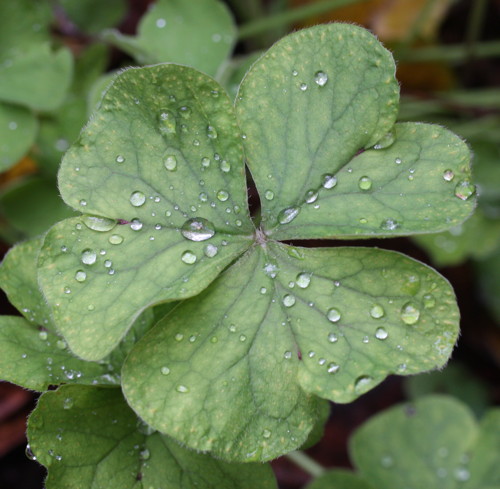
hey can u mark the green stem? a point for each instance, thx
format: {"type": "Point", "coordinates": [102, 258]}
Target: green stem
{"type": "Point", "coordinates": [475, 24]}
{"type": "Point", "coordinates": [287, 17]}
{"type": "Point", "coordinates": [451, 53]}
{"type": "Point", "coordinates": [307, 463]}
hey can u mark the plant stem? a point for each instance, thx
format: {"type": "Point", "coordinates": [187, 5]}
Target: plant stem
{"type": "Point", "coordinates": [451, 53]}
{"type": "Point", "coordinates": [307, 463]}
{"type": "Point", "coordinates": [289, 16]}
{"type": "Point", "coordinates": [475, 24]}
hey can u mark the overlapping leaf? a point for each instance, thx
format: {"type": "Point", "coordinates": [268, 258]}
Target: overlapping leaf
{"type": "Point", "coordinates": [89, 438]}
{"type": "Point", "coordinates": [419, 445]}
{"type": "Point", "coordinates": [160, 173]}
{"type": "Point", "coordinates": [199, 34]}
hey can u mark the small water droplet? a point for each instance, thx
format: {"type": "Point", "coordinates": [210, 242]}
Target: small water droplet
{"type": "Point", "coordinates": [165, 370]}
{"type": "Point", "coordinates": [120, 159]}
{"type": "Point", "coordinates": [288, 215]}
{"type": "Point", "coordinates": [170, 162]}
{"type": "Point", "coordinates": [83, 202]}
{"type": "Point", "coordinates": [115, 239]}
{"type": "Point", "coordinates": [333, 315]}
{"type": "Point", "coordinates": [332, 368]}
{"type": "Point", "coordinates": [377, 311]}
{"type": "Point", "coordinates": [365, 183]}
{"type": "Point", "coordinates": [225, 166]}
{"type": "Point", "coordinates": [43, 335]}
{"type": "Point", "coordinates": [303, 280]}
{"type": "Point", "coordinates": [464, 190]}
{"type": "Point", "coordinates": [429, 301]}
{"type": "Point", "coordinates": [321, 78]}
{"type": "Point", "coordinates": [214, 339]}
{"type": "Point", "coordinates": [329, 181]}
{"type": "Point", "coordinates": [303, 86]}
{"type": "Point", "coordinates": [211, 132]}
{"type": "Point", "coordinates": [243, 338]}
{"type": "Point", "coordinates": [222, 195]}
{"type": "Point", "coordinates": [137, 198]}
{"type": "Point", "coordinates": [448, 175]}
{"type": "Point", "coordinates": [410, 314]}
{"type": "Point", "coordinates": [197, 229]}
{"type": "Point", "coordinates": [136, 225]}
{"type": "Point", "coordinates": [287, 355]}
{"type": "Point", "coordinates": [179, 337]}
{"type": "Point", "coordinates": [211, 250]}
{"type": "Point", "coordinates": [205, 162]}
{"type": "Point", "coordinates": [461, 474]}
{"type": "Point", "coordinates": [311, 196]}
{"type": "Point", "coordinates": [362, 383]}
{"type": "Point", "coordinates": [398, 161]}
{"type": "Point", "coordinates": [389, 225]}
{"type": "Point", "coordinates": [89, 257]}
{"type": "Point", "coordinates": [29, 454]}
{"type": "Point", "coordinates": [61, 344]}
{"type": "Point", "coordinates": [288, 300]}
{"type": "Point", "coordinates": [167, 122]}
{"type": "Point", "coordinates": [68, 403]}
{"type": "Point", "coordinates": [80, 276]}
{"type": "Point", "coordinates": [182, 389]}
{"type": "Point", "coordinates": [332, 338]}
{"type": "Point", "coordinates": [381, 334]}
{"type": "Point", "coordinates": [144, 454]}
{"type": "Point", "coordinates": [188, 257]}
{"type": "Point", "coordinates": [269, 195]}
{"type": "Point", "coordinates": [311, 354]}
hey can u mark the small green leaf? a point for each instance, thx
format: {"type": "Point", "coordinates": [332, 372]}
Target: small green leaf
{"type": "Point", "coordinates": [51, 69]}
{"type": "Point", "coordinates": [160, 174]}
{"type": "Point", "coordinates": [419, 445]}
{"type": "Point", "coordinates": [89, 438]}
{"type": "Point", "coordinates": [200, 34]}
{"type": "Point", "coordinates": [18, 279]}
{"type": "Point", "coordinates": [36, 358]}
{"type": "Point", "coordinates": [18, 127]}
{"type": "Point", "coordinates": [339, 479]}
{"type": "Point", "coordinates": [280, 323]}
{"type": "Point", "coordinates": [32, 205]}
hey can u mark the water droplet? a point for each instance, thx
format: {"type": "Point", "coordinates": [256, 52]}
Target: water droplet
{"type": "Point", "coordinates": [311, 354]}
{"type": "Point", "coordinates": [311, 196]}
{"type": "Point", "coordinates": [137, 198]}
{"type": "Point", "coordinates": [295, 73]}
{"type": "Point", "coordinates": [167, 122]}
{"type": "Point", "coordinates": [303, 86]}
{"type": "Point", "coordinates": [185, 112]}
{"type": "Point", "coordinates": [89, 257]}
{"type": "Point", "coordinates": [429, 301]}
{"type": "Point", "coordinates": [332, 338]}
{"type": "Point", "coordinates": [182, 389]}
{"type": "Point", "coordinates": [398, 161]}
{"type": "Point", "coordinates": [108, 263]}
{"type": "Point", "coordinates": [377, 311]}
{"type": "Point", "coordinates": [389, 225]}
{"type": "Point", "coordinates": [329, 181]}
{"type": "Point", "coordinates": [120, 159]}
{"type": "Point", "coordinates": [211, 250]}
{"type": "Point", "coordinates": [136, 225]}
{"type": "Point", "coordinates": [214, 339]}
{"type": "Point", "coordinates": [170, 162]}
{"type": "Point", "coordinates": [68, 403]}
{"type": "Point", "coordinates": [287, 355]}
{"type": "Point", "coordinates": [303, 280]}
{"type": "Point", "coordinates": [381, 334]}
{"type": "Point", "coordinates": [332, 368]}
{"type": "Point", "coordinates": [288, 215]}
{"type": "Point", "coordinates": [165, 370]}
{"type": "Point", "coordinates": [43, 335]}
{"type": "Point", "coordinates": [144, 454]}
{"type": "Point", "coordinates": [97, 223]}
{"type": "Point", "coordinates": [29, 454]}
{"type": "Point", "coordinates": [365, 183]}
{"type": "Point", "coordinates": [386, 141]}
{"type": "Point", "coordinates": [464, 190]}
{"type": "Point", "coordinates": [448, 175]}
{"type": "Point", "coordinates": [160, 23]}
{"type": "Point", "coordinates": [197, 229]}
{"type": "Point", "coordinates": [333, 315]}
{"type": "Point", "coordinates": [461, 474]}
{"type": "Point", "coordinates": [83, 202]}
{"type": "Point", "coordinates": [288, 300]}
{"type": "Point", "coordinates": [222, 195]}
{"type": "Point", "coordinates": [387, 461]}
{"type": "Point", "coordinates": [115, 239]}
{"type": "Point", "coordinates": [269, 195]}
{"type": "Point", "coordinates": [211, 132]}
{"type": "Point", "coordinates": [225, 166]}
{"type": "Point", "coordinates": [188, 257]}
{"type": "Point", "coordinates": [179, 337]}
{"type": "Point", "coordinates": [410, 314]}
{"type": "Point", "coordinates": [321, 78]}
{"type": "Point", "coordinates": [80, 276]}
{"type": "Point", "coordinates": [205, 162]}
{"type": "Point", "coordinates": [243, 338]}
{"type": "Point", "coordinates": [362, 383]}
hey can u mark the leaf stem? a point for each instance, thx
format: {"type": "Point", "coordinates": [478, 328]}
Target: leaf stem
{"type": "Point", "coordinates": [279, 19]}
{"type": "Point", "coordinates": [307, 463]}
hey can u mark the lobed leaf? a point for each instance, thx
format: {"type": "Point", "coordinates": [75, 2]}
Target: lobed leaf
{"type": "Point", "coordinates": [160, 174]}
{"type": "Point", "coordinates": [89, 438]}
{"type": "Point", "coordinates": [199, 34]}
{"type": "Point", "coordinates": [283, 323]}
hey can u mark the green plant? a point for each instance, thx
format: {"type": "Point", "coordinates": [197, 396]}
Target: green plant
{"type": "Point", "coordinates": [251, 332]}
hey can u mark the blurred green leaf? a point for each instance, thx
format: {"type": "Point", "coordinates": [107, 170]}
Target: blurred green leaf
{"type": "Point", "coordinates": [339, 479]}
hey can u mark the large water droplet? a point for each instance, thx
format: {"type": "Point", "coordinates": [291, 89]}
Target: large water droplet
{"type": "Point", "coordinates": [365, 183]}
{"type": "Point", "coordinates": [381, 334]}
{"type": "Point", "coordinates": [288, 215]}
{"type": "Point", "coordinates": [303, 280]}
{"type": "Point", "coordinates": [321, 78]}
{"type": "Point", "coordinates": [333, 315]}
{"type": "Point", "coordinates": [89, 257]}
{"type": "Point", "coordinates": [167, 122]}
{"type": "Point", "coordinates": [329, 181]}
{"type": "Point", "coordinates": [464, 190]}
{"type": "Point", "coordinates": [410, 314]}
{"type": "Point", "coordinates": [170, 162]}
{"type": "Point", "coordinates": [288, 300]}
{"type": "Point", "coordinates": [197, 229]}
{"type": "Point", "coordinates": [137, 198]}
{"type": "Point", "coordinates": [377, 311]}
{"type": "Point", "coordinates": [136, 225]}
{"type": "Point", "coordinates": [80, 276]}
{"type": "Point", "coordinates": [222, 195]}
{"type": "Point", "coordinates": [188, 257]}
{"type": "Point", "coordinates": [362, 383]}
{"type": "Point", "coordinates": [97, 223]}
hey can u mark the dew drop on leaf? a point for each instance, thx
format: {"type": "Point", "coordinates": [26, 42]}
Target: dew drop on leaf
{"type": "Point", "coordinates": [362, 383]}
{"type": "Point", "coordinates": [365, 183]}
{"type": "Point", "coordinates": [410, 314]}
{"type": "Point", "coordinates": [198, 229]}
{"type": "Point", "coordinates": [287, 355]}
{"type": "Point", "coordinates": [464, 190]}
{"type": "Point", "coordinates": [332, 338]}
{"type": "Point", "coordinates": [329, 181]}
{"type": "Point", "coordinates": [243, 338]}
{"type": "Point", "coordinates": [165, 370]}
{"type": "Point", "coordinates": [321, 78]}
{"type": "Point", "coordinates": [386, 461]}
{"type": "Point", "coordinates": [429, 301]}
{"type": "Point", "coordinates": [448, 175]}
{"type": "Point", "coordinates": [332, 368]}
{"type": "Point", "coordinates": [211, 132]}
{"type": "Point", "coordinates": [179, 337]}
{"type": "Point", "coordinates": [303, 280]}
{"type": "Point", "coordinates": [80, 276]}
{"type": "Point", "coordinates": [188, 257]}
{"type": "Point", "coordinates": [182, 389]}
{"type": "Point", "coordinates": [211, 250]}
{"type": "Point", "coordinates": [137, 198]}
{"type": "Point", "coordinates": [303, 86]}
{"type": "Point", "coordinates": [120, 159]}
{"type": "Point", "coordinates": [288, 215]}
{"type": "Point", "coordinates": [43, 335]}
{"type": "Point", "coordinates": [381, 334]}
{"type": "Point", "coordinates": [115, 239]}
{"type": "Point", "coordinates": [333, 315]}
{"type": "Point", "coordinates": [97, 223]}
{"type": "Point", "coordinates": [266, 434]}
{"type": "Point", "coordinates": [311, 196]}
{"type": "Point", "coordinates": [377, 311]}
{"type": "Point", "coordinates": [29, 454]}
{"type": "Point", "coordinates": [170, 162]}
{"type": "Point", "coordinates": [269, 195]}
{"type": "Point", "coordinates": [225, 166]}
{"type": "Point", "coordinates": [389, 225]}
{"type": "Point", "coordinates": [167, 122]}
{"type": "Point", "coordinates": [398, 161]}
{"type": "Point", "coordinates": [136, 225]}
{"type": "Point", "coordinates": [222, 195]}
{"type": "Point", "coordinates": [68, 403]}
{"type": "Point", "coordinates": [205, 162]}
{"type": "Point", "coordinates": [89, 257]}
{"type": "Point", "coordinates": [288, 300]}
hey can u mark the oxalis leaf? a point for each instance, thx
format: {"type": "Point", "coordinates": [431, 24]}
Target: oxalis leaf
{"type": "Point", "coordinates": [237, 370]}
{"type": "Point", "coordinates": [89, 438]}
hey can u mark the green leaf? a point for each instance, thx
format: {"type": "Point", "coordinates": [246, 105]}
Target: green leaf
{"type": "Point", "coordinates": [89, 438]}
{"type": "Point", "coordinates": [419, 445]}
{"type": "Point", "coordinates": [35, 358]}
{"type": "Point", "coordinates": [460, 242]}
{"type": "Point", "coordinates": [280, 324]}
{"type": "Point", "coordinates": [200, 34]}
{"type": "Point", "coordinates": [18, 127]}
{"type": "Point", "coordinates": [166, 165]}
{"type": "Point", "coordinates": [339, 479]}
{"type": "Point", "coordinates": [18, 279]}
{"type": "Point", "coordinates": [32, 205]}
{"type": "Point", "coordinates": [318, 430]}
{"type": "Point", "coordinates": [49, 69]}
{"type": "Point", "coordinates": [309, 107]}
{"type": "Point", "coordinates": [93, 16]}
